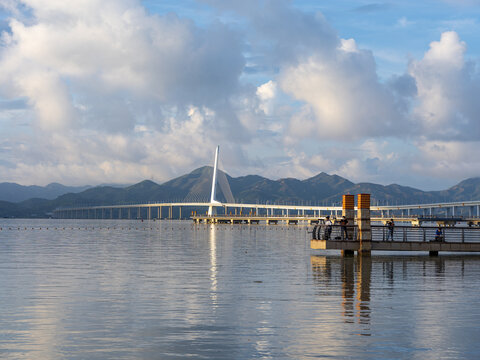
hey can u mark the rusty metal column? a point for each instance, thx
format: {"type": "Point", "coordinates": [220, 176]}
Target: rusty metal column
{"type": "Point", "coordinates": [348, 210]}
{"type": "Point", "coordinates": [363, 222]}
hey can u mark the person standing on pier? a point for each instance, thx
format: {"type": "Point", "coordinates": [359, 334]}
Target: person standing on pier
{"type": "Point", "coordinates": [391, 227]}
{"type": "Point", "coordinates": [343, 224]}
{"type": "Point", "coordinates": [439, 234]}
{"type": "Point", "coordinates": [328, 227]}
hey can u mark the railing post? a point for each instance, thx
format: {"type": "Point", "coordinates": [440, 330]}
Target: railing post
{"type": "Point", "coordinates": [404, 234]}
{"type": "Point", "coordinates": [424, 235]}
{"type": "Point", "coordinates": [463, 235]}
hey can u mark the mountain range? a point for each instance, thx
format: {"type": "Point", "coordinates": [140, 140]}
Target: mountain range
{"type": "Point", "coordinates": [195, 186]}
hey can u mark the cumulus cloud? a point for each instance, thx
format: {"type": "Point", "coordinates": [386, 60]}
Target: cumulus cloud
{"type": "Point", "coordinates": [94, 68]}
{"type": "Point", "coordinates": [447, 88]}
{"type": "Point", "coordinates": [267, 94]}
{"type": "Point", "coordinates": [106, 92]}
{"type": "Point", "coordinates": [344, 94]}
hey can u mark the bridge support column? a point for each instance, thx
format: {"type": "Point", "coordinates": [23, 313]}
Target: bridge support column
{"type": "Point", "coordinates": [364, 226]}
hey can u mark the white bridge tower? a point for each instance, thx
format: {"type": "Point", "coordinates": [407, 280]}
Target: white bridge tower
{"type": "Point", "coordinates": [214, 202]}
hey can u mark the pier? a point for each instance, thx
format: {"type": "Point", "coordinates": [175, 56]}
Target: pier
{"type": "Point", "coordinates": [363, 237]}
{"type": "Point", "coordinates": [406, 238]}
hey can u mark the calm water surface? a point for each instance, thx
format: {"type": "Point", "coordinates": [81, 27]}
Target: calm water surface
{"type": "Point", "coordinates": [85, 289]}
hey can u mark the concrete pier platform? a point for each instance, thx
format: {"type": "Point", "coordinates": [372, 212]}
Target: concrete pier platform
{"type": "Point", "coordinates": [431, 247]}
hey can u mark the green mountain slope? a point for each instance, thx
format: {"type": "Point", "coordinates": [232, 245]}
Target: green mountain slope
{"type": "Point", "coordinates": [196, 186]}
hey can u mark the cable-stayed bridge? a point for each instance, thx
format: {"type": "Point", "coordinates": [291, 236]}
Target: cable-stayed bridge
{"type": "Point", "coordinates": [169, 210]}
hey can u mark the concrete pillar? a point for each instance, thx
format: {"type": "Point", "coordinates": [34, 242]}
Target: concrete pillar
{"type": "Point", "coordinates": [363, 222]}
{"type": "Point", "coordinates": [348, 210]}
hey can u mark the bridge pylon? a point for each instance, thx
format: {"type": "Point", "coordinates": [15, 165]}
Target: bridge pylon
{"type": "Point", "coordinates": [214, 183]}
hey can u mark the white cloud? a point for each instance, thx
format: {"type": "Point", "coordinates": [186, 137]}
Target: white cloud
{"type": "Point", "coordinates": [447, 85]}
{"type": "Point", "coordinates": [447, 159]}
{"type": "Point", "coordinates": [344, 94]}
{"type": "Point", "coordinates": [115, 94]}
{"type": "Point", "coordinates": [267, 94]}
{"type": "Point", "coordinates": [95, 72]}
{"type": "Point", "coordinates": [404, 22]}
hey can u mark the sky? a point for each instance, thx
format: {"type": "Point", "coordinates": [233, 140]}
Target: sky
{"type": "Point", "coordinates": [119, 91]}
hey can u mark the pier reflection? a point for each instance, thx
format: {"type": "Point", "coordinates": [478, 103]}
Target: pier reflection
{"type": "Point", "coordinates": [350, 279]}
{"type": "Point", "coordinates": [354, 274]}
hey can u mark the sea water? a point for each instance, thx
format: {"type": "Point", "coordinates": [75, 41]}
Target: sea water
{"type": "Point", "coordinates": [118, 289]}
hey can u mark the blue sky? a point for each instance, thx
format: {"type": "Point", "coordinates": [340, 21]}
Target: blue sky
{"type": "Point", "coordinates": [121, 91]}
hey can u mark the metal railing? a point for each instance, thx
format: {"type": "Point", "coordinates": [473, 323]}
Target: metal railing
{"type": "Point", "coordinates": [335, 232]}
{"type": "Point", "coordinates": [400, 233]}
{"type": "Point", "coordinates": [426, 233]}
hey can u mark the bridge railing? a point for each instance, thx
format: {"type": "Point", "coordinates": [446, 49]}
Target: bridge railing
{"type": "Point", "coordinates": [426, 233]}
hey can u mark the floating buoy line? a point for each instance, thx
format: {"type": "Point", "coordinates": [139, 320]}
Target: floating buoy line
{"type": "Point", "coordinates": [192, 227]}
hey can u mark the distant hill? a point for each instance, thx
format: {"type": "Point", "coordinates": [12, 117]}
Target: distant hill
{"type": "Point", "coordinates": [12, 192]}
{"type": "Point", "coordinates": [195, 186]}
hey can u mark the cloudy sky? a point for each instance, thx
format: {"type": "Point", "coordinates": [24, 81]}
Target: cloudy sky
{"type": "Point", "coordinates": [118, 91]}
